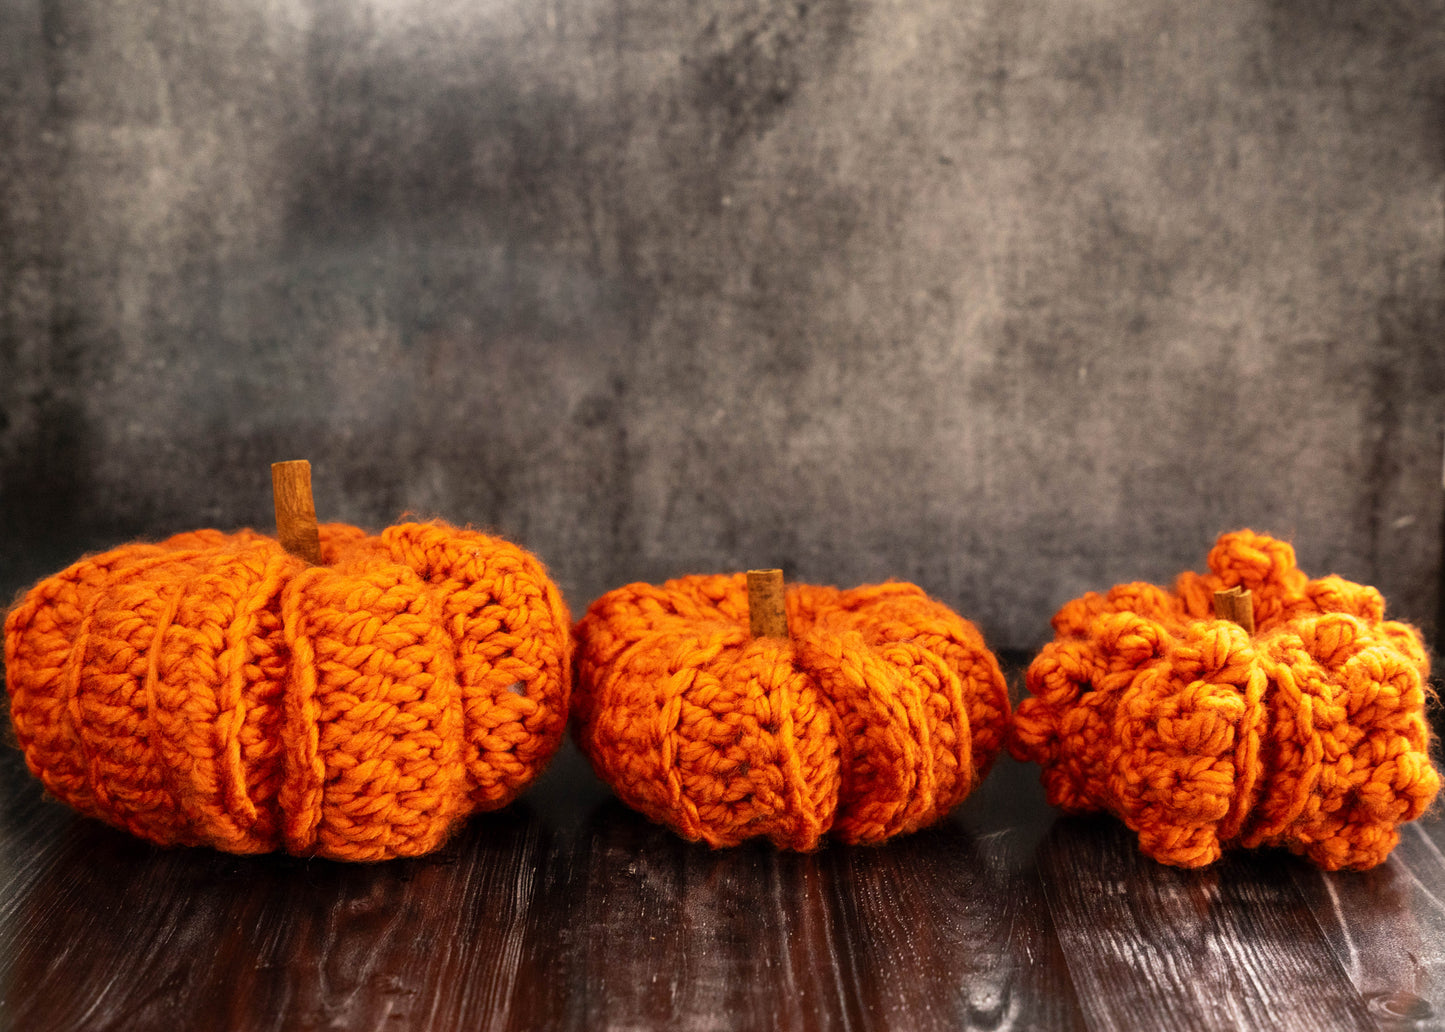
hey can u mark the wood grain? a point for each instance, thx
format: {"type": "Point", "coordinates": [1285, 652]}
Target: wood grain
{"type": "Point", "coordinates": [122, 935]}
{"type": "Point", "coordinates": [675, 935]}
{"type": "Point", "coordinates": [948, 929]}
{"type": "Point", "coordinates": [1386, 927]}
{"type": "Point", "coordinates": [1229, 947]}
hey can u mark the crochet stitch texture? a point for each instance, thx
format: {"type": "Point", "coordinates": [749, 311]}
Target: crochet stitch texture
{"type": "Point", "coordinates": [1309, 735]}
{"type": "Point", "coordinates": [214, 690]}
{"type": "Point", "coordinates": [881, 712]}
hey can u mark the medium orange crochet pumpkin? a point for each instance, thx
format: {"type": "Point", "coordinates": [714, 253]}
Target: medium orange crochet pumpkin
{"type": "Point", "coordinates": [1309, 733]}
{"type": "Point", "coordinates": [215, 690]}
{"type": "Point", "coordinates": [880, 713]}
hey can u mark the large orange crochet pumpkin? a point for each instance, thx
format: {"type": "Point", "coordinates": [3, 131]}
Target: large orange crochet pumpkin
{"type": "Point", "coordinates": [1309, 733]}
{"type": "Point", "coordinates": [879, 714]}
{"type": "Point", "coordinates": [214, 689]}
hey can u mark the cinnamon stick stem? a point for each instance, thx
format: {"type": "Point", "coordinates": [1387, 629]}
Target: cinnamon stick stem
{"type": "Point", "coordinates": [1235, 604]}
{"type": "Point", "coordinates": [767, 610]}
{"type": "Point", "coordinates": [295, 509]}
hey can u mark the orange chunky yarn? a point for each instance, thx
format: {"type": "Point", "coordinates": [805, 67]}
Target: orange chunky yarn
{"type": "Point", "coordinates": [1310, 734]}
{"type": "Point", "coordinates": [214, 690]}
{"type": "Point", "coordinates": [882, 711]}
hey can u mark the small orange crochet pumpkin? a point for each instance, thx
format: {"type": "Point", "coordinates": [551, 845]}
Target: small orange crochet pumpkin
{"type": "Point", "coordinates": [880, 713]}
{"type": "Point", "coordinates": [1309, 733]}
{"type": "Point", "coordinates": [215, 690]}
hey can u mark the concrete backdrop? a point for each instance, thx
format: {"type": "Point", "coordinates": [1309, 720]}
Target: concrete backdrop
{"type": "Point", "coordinates": [1014, 298]}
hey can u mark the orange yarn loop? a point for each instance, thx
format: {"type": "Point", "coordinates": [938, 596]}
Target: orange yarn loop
{"type": "Point", "coordinates": [1309, 735]}
{"type": "Point", "coordinates": [214, 690]}
{"type": "Point", "coordinates": [882, 711]}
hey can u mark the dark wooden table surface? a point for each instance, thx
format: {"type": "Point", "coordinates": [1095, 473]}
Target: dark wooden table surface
{"type": "Point", "coordinates": [569, 911]}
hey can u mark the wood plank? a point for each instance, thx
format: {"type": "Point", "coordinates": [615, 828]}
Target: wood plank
{"type": "Point", "coordinates": [32, 834]}
{"type": "Point", "coordinates": [86, 937]}
{"type": "Point", "coordinates": [677, 936]}
{"type": "Point", "coordinates": [118, 934]}
{"type": "Point", "coordinates": [1387, 927]}
{"type": "Point", "coordinates": [948, 929]}
{"type": "Point", "coordinates": [1229, 947]}
{"type": "Point", "coordinates": [435, 942]}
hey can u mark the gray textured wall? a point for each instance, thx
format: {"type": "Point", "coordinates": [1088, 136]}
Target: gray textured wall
{"type": "Point", "coordinates": [1013, 299]}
